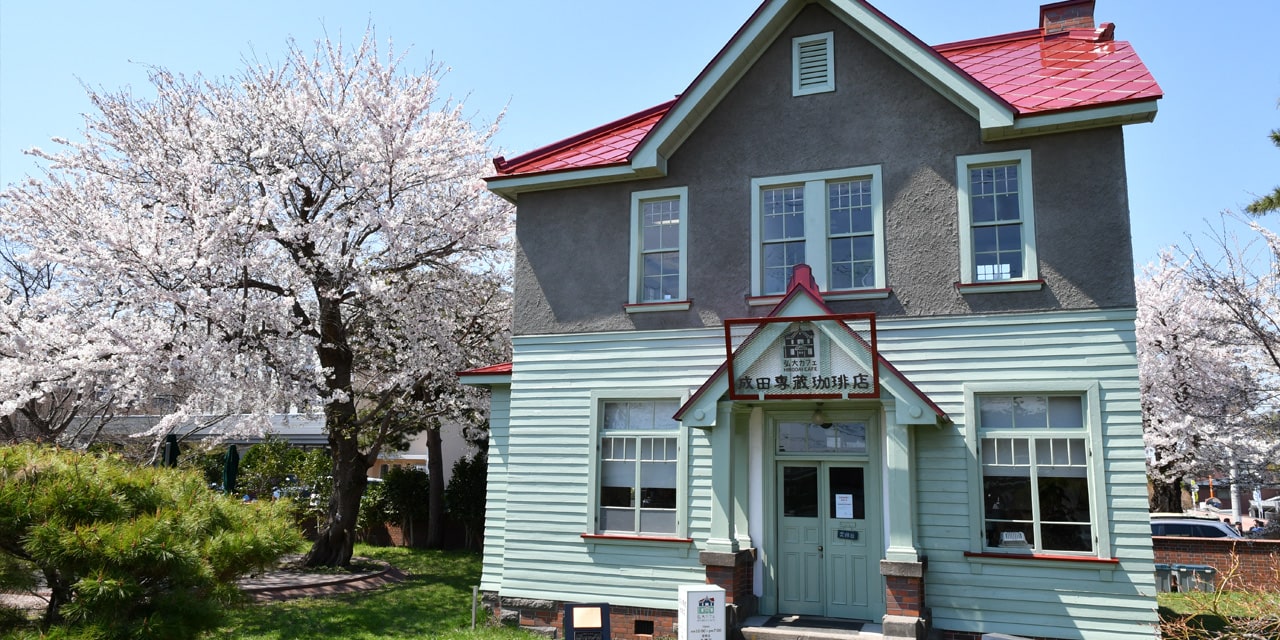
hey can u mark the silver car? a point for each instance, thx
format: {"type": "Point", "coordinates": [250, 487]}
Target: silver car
{"type": "Point", "coordinates": [1192, 528]}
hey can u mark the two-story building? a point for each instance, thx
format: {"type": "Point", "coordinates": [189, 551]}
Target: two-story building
{"type": "Point", "coordinates": [847, 328]}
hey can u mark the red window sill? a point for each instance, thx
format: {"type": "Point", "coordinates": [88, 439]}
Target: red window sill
{"type": "Point", "coordinates": [603, 536]}
{"type": "Point", "coordinates": [1041, 556]}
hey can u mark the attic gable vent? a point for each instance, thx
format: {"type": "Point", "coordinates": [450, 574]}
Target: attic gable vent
{"type": "Point", "coordinates": [812, 65]}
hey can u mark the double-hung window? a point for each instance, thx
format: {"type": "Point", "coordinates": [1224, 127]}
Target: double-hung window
{"type": "Point", "coordinates": [832, 221]}
{"type": "Point", "coordinates": [997, 239]}
{"type": "Point", "coordinates": [639, 471]}
{"type": "Point", "coordinates": [659, 254]}
{"type": "Point", "coordinates": [1038, 495]}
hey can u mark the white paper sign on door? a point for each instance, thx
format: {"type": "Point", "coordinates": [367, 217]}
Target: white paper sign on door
{"type": "Point", "coordinates": [844, 505]}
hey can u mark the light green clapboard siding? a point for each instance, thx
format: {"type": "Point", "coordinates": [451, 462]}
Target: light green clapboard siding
{"type": "Point", "coordinates": [549, 438]}
{"type": "Point", "coordinates": [496, 488]}
{"type": "Point", "coordinates": [941, 357]}
{"type": "Point", "coordinates": [547, 513]}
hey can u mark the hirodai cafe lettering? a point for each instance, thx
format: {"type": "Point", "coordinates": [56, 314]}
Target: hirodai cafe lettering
{"type": "Point", "coordinates": [857, 382]}
{"type": "Point", "coordinates": [800, 369]}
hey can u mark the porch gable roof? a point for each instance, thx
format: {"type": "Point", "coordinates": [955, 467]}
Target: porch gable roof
{"type": "Point", "coordinates": [803, 299]}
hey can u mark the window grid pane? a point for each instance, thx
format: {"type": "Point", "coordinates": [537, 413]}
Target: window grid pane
{"type": "Point", "coordinates": [1036, 487]}
{"type": "Point", "coordinates": [638, 489]}
{"type": "Point", "coordinates": [660, 249]}
{"type": "Point", "coordinates": [850, 231]}
{"type": "Point", "coordinates": [996, 218]}
{"type": "Point", "coordinates": [782, 216]}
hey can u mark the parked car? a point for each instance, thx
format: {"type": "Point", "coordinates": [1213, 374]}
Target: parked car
{"type": "Point", "coordinates": [1190, 527]}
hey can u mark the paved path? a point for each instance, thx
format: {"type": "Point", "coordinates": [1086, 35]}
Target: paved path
{"type": "Point", "coordinates": [290, 583]}
{"type": "Point", "coordinates": [286, 583]}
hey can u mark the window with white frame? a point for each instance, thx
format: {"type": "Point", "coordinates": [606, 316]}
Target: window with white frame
{"type": "Point", "coordinates": [812, 64]}
{"type": "Point", "coordinates": [997, 240]}
{"type": "Point", "coordinates": [832, 220]}
{"type": "Point", "coordinates": [1034, 452]}
{"type": "Point", "coordinates": [659, 237]}
{"type": "Point", "coordinates": [639, 468]}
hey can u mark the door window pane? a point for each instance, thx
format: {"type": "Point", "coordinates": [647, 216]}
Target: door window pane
{"type": "Point", "coordinates": [800, 492]}
{"type": "Point", "coordinates": [847, 481]}
{"type": "Point", "coordinates": [838, 437]}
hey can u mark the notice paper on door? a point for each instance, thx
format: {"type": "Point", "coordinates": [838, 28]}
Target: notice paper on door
{"type": "Point", "coordinates": [844, 505]}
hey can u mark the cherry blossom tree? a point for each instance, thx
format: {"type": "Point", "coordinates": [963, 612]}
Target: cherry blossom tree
{"type": "Point", "coordinates": [313, 232]}
{"type": "Point", "coordinates": [1207, 350]}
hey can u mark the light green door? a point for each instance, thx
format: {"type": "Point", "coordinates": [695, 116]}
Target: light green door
{"type": "Point", "coordinates": [828, 549]}
{"type": "Point", "coordinates": [800, 537]}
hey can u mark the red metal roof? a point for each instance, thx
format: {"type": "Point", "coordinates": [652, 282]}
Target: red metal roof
{"type": "Point", "coordinates": [503, 368]}
{"type": "Point", "coordinates": [1070, 70]}
{"type": "Point", "coordinates": [603, 146]}
{"type": "Point", "coordinates": [1034, 72]}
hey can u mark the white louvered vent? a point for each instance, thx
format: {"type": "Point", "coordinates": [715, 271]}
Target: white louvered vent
{"type": "Point", "coordinates": [813, 66]}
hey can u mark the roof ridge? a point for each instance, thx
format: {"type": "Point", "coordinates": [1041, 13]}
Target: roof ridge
{"type": "Point", "coordinates": [1013, 36]}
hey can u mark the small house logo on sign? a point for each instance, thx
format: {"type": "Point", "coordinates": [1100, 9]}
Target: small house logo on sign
{"type": "Point", "coordinates": [798, 352]}
{"type": "Point", "coordinates": [707, 606]}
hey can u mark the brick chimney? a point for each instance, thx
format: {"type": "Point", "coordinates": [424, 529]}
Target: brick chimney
{"type": "Point", "coordinates": [1067, 15]}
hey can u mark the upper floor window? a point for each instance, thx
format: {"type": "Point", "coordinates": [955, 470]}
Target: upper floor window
{"type": "Point", "coordinates": [812, 64]}
{"type": "Point", "coordinates": [997, 240]}
{"type": "Point", "coordinates": [1036, 489]}
{"type": "Point", "coordinates": [831, 220]}
{"type": "Point", "coordinates": [659, 238]}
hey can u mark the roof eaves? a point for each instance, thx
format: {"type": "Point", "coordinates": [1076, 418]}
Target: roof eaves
{"type": "Point", "coordinates": [510, 187]}
{"type": "Point", "coordinates": [1090, 116]}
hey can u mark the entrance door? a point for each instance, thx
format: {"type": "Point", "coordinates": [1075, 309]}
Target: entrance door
{"type": "Point", "coordinates": [828, 551]}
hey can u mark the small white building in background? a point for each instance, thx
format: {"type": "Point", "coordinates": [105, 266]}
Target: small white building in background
{"type": "Point", "coordinates": [307, 431]}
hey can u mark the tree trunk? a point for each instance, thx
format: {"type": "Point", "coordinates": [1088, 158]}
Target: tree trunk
{"type": "Point", "coordinates": [1166, 497]}
{"type": "Point", "coordinates": [435, 490]}
{"type": "Point", "coordinates": [59, 595]}
{"type": "Point", "coordinates": [337, 536]}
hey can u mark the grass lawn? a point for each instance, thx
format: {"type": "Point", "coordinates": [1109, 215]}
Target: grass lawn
{"type": "Point", "coordinates": [433, 602]}
{"type": "Point", "coordinates": [1233, 614]}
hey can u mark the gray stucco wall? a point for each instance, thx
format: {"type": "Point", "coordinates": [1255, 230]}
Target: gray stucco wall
{"type": "Point", "coordinates": [573, 244]}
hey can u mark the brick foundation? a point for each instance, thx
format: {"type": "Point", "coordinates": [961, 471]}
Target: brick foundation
{"type": "Point", "coordinates": [548, 615]}
{"type": "Point", "coordinates": [905, 615]}
{"type": "Point", "coordinates": [735, 573]}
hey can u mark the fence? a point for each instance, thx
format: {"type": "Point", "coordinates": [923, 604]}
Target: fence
{"type": "Point", "coordinates": [1251, 565]}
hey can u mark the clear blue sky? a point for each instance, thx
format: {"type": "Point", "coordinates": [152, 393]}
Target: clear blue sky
{"type": "Point", "coordinates": [562, 66]}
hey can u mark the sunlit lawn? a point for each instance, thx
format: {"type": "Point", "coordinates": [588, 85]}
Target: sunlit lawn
{"type": "Point", "coordinates": [433, 602]}
{"type": "Point", "coordinates": [1203, 615]}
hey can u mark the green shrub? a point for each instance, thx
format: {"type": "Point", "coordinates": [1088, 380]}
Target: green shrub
{"type": "Point", "coordinates": [375, 511]}
{"type": "Point", "coordinates": [465, 496]}
{"type": "Point", "coordinates": [131, 552]}
{"type": "Point", "coordinates": [408, 493]}
{"type": "Point", "coordinates": [265, 466]}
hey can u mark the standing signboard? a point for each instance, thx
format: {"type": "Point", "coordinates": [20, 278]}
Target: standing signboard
{"type": "Point", "coordinates": [701, 612]}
